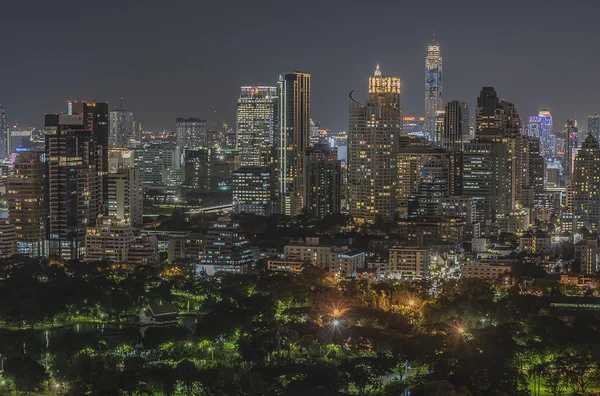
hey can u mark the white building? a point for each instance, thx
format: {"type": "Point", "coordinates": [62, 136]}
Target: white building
{"type": "Point", "coordinates": [125, 197]}
{"type": "Point", "coordinates": [408, 262]}
{"type": "Point", "coordinates": [109, 242]}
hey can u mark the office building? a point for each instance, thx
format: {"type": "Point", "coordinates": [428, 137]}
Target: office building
{"type": "Point", "coordinates": [293, 139]}
{"type": "Point", "coordinates": [585, 189]}
{"type": "Point", "coordinates": [488, 114]}
{"type": "Point", "coordinates": [154, 160]}
{"type": "Point", "coordinates": [27, 198]}
{"type": "Point", "coordinates": [456, 125]}
{"type": "Point", "coordinates": [121, 129]}
{"type": "Point", "coordinates": [125, 198]}
{"type": "Point", "coordinates": [18, 140]}
{"type": "Point", "coordinates": [95, 119]}
{"type": "Point", "coordinates": [73, 183]}
{"type": "Point", "coordinates": [433, 87]}
{"type": "Point", "coordinates": [373, 143]}
{"type": "Point", "coordinates": [414, 126]}
{"type": "Point", "coordinates": [322, 181]}
{"type": "Point", "coordinates": [226, 248]}
{"type": "Point", "coordinates": [439, 127]}
{"type": "Point", "coordinates": [256, 121]}
{"type": "Point", "coordinates": [252, 189]}
{"type": "Point", "coordinates": [143, 250]}
{"type": "Point", "coordinates": [108, 242]}
{"type": "Point", "coordinates": [461, 207]}
{"type": "Point", "coordinates": [594, 126]}
{"type": "Point", "coordinates": [191, 133]}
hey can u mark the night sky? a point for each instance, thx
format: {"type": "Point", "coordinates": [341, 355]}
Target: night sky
{"type": "Point", "coordinates": [181, 58]}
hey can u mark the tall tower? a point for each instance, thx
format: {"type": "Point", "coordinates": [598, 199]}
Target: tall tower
{"type": "Point", "coordinates": [586, 186]}
{"type": "Point", "coordinates": [256, 120]}
{"type": "Point", "coordinates": [3, 134]}
{"type": "Point", "coordinates": [95, 119]}
{"type": "Point", "coordinates": [373, 145]}
{"type": "Point", "coordinates": [570, 133]}
{"type": "Point", "coordinates": [293, 139]}
{"type": "Point", "coordinates": [121, 127]}
{"type": "Point", "coordinates": [72, 183]}
{"type": "Point", "coordinates": [323, 181]}
{"type": "Point", "coordinates": [433, 87]}
{"type": "Point", "coordinates": [191, 133]}
{"type": "Point", "coordinates": [26, 196]}
{"type": "Point", "coordinates": [540, 127]}
{"type": "Point", "coordinates": [456, 125]}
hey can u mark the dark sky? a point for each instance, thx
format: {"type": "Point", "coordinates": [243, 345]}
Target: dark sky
{"type": "Point", "coordinates": [183, 58]}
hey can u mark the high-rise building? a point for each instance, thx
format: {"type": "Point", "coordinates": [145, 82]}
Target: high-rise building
{"type": "Point", "coordinates": [121, 128]}
{"type": "Point", "coordinates": [322, 181]}
{"type": "Point", "coordinates": [373, 143]}
{"type": "Point", "coordinates": [191, 133]}
{"type": "Point", "coordinates": [293, 139]}
{"type": "Point", "coordinates": [108, 242]}
{"type": "Point", "coordinates": [433, 87]}
{"type": "Point", "coordinates": [414, 126]}
{"type": "Point", "coordinates": [594, 126]}
{"type": "Point", "coordinates": [8, 238]}
{"type": "Point", "coordinates": [487, 114]}
{"type": "Point", "coordinates": [226, 248]}
{"type": "Point", "coordinates": [253, 189]}
{"type": "Point", "coordinates": [120, 158]}
{"type": "Point", "coordinates": [3, 133]}
{"type": "Point", "coordinates": [125, 198]}
{"type": "Point", "coordinates": [585, 189]}
{"type": "Point", "coordinates": [456, 125]}
{"type": "Point", "coordinates": [154, 160]}
{"type": "Point", "coordinates": [540, 127]}
{"type": "Point", "coordinates": [73, 192]}
{"type": "Point", "coordinates": [95, 118]}
{"type": "Point", "coordinates": [256, 121]}
{"type": "Point", "coordinates": [438, 133]}
{"type": "Point", "coordinates": [570, 134]}
{"type": "Point", "coordinates": [27, 198]}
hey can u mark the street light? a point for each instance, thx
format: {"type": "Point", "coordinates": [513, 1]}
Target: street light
{"type": "Point", "coordinates": [335, 322]}
{"type": "Point", "coordinates": [482, 323]}
{"type": "Point", "coordinates": [411, 302]}
{"type": "Point", "coordinates": [336, 312]}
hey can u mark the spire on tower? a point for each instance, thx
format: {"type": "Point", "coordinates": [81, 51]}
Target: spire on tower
{"type": "Point", "coordinates": [377, 71]}
{"type": "Point", "coordinates": [433, 39]}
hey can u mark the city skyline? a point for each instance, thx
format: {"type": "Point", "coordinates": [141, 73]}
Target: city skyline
{"type": "Point", "coordinates": [196, 84]}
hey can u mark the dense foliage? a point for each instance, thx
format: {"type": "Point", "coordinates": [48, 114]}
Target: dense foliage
{"type": "Point", "coordinates": [286, 334]}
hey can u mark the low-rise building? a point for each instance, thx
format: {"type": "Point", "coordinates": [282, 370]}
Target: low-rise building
{"type": "Point", "coordinates": [285, 265]}
{"type": "Point", "coordinates": [487, 270]}
{"type": "Point", "coordinates": [108, 242]}
{"type": "Point", "coordinates": [408, 262]}
{"type": "Point", "coordinates": [143, 251]}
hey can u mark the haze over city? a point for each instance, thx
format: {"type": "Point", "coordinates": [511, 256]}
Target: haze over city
{"type": "Point", "coordinates": [188, 58]}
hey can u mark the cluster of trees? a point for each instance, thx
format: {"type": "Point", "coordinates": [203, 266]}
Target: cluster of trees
{"type": "Point", "coordinates": [293, 334]}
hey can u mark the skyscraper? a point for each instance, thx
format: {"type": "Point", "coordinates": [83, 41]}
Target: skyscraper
{"type": "Point", "coordinates": [488, 113]}
{"type": "Point", "coordinates": [594, 126]}
{"type": "Point", "coordinates": [570, 134]}
{"type": "Point", "coordinates": [121, 128]}
{"type": "Point", "coordinates": [95, 119]}
{"type": "Point", "coordinates": [191, 133]}
{"type": "Point", "coordinates": [373, 143]}
{"type": "Point", "coordinates": [456, 125]}
{"type": "Point", "coordinates": [3, 133]}
{"type": "Point", "coordinates": [586, 186]}
{"type": "Point", "coordinates": [293, 139]}
{"type": "Point", "coordinates": [433, 87]}
{"type": "Point", "coordinates": [252, 190]}
{"type": "Point", "coordinates": [226, 248]}
{"type": "Point", "coordinates": [26, 196]}
{"type": "Point", "coordinates": [322, 181]}
{"type": "Point", "coordinates": [540, 127]}
{"type": "Point", "coordinates": [256, 122]}
{"type": "Point", "coordinates": [73, 192]}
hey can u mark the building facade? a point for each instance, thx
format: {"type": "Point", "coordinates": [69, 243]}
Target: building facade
{"type": "Point", "coordinates": [125, 197]}
{"type": "Point", "coordinates": [252, 189]}
{"type": "Point", "coordinates": [121, 128]}
{"type": "Point", "coordinates": [191, 133]}
{"type": "Point", "coordinates": [456, 125]}
{"type": "Point", "coordinates": [293, 139]}
{"type": "Point", "coordinates": [226, 248]}
{"type": "Point", "coordinates": [256, 121]}
{"type": "Point", "coordinates": [373, 143]}
{"type": "Point", "coordinates": [433, 87]}
{"type": "Point", "coordinates": [322, 181]}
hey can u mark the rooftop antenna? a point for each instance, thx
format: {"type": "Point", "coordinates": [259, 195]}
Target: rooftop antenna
{"type": "Point", "coordinates": [433, 35]}
{"type": "Point", "coordinates": [121, 103]}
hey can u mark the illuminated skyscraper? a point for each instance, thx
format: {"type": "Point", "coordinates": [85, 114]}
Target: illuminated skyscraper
{"type": "Point", "coordinates": [95, 119]}
{"type": "Point", "coordinates": [433, 87]}
{"type": "Point", "coordinates": [373, 144]}
{"type": "Point", "coordinates": [256, 122]}
{"type": "Point", "coordinates": [456, 125]}
{"type": "Point", "coordinates": [293, 139]}
{"type": "Point", "coordinates": [3, 133]}
{"type": "Point", "coordinates": [488, 113]}
{"type": "Point", "coordinates": [26, 195]}
{"type": "Point", "coordinates": [322, 181]}
{"type": "Point", "coordinates": [594, 126]}
{"type": "Point", "coordinates": [586, 186]}
{"type": "Point", "coordinates": [541, 127]}
{"type": "Point", "coordinates": [73, 192]}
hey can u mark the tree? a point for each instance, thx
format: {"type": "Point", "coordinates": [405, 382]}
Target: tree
{"type": "Point", "coordinates": [27, 374]}
{"type": "Point", "coordinates": [187, 374]}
